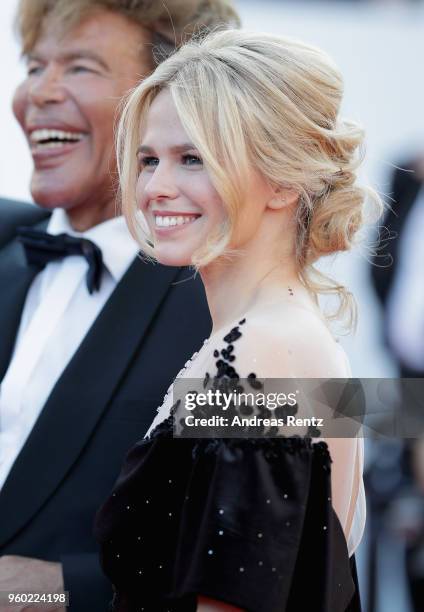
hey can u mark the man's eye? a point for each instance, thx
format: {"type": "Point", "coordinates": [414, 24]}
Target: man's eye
{"type": "Point", "coordinates": [192, 160]}
{"type": "Point", "coordinates": [148, 162]}
{"type": "Point", "coordinates": [31, 70]}
{"type": "Point", "coordinates": [78, 68]}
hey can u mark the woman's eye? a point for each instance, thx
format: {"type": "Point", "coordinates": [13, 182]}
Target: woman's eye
{"type": "Point", "coordinates": [148, 162]}
{"type": "Point", "coordinates": [192, 160]}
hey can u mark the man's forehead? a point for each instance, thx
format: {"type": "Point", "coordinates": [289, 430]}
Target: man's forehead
{"type": "Point", "coordinates": [94, 34]}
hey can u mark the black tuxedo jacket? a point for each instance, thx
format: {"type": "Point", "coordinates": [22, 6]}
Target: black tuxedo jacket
{"type": "Point", "coordinates": [404, 188]}
{"type": "Point", "coordinates": [103, 403]}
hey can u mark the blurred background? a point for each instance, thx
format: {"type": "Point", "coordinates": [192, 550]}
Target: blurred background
{"type": "Point", "coordinates": [379, 47]}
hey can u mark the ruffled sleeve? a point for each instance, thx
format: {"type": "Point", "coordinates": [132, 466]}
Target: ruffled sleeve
{"type": "Point", "coordinates": [258, 529]}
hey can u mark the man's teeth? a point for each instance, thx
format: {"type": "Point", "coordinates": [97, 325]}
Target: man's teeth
{"type": "Point", "coordinates": [45, 137]}
{"type": "Point", "coordinates": [169, 221]}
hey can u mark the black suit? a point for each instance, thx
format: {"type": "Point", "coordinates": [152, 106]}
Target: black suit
{"type": "Point", "coordinates": [404, 189]}
{"type": "Point", "coordinates": [102, 404]}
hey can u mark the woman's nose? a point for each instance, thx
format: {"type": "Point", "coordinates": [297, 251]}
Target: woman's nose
{"type": "Point", "coordinates": [47, 87]}
{"type": "Point", "coordinates": [161, 184]}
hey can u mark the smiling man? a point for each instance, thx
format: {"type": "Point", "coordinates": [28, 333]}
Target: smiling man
{"type": "Point", "coordinates": [91, 334]}
{"type": "Point", "coordinates": [67, 106]}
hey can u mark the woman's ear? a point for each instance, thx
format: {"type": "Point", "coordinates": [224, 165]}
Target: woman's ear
{"type": "Point", "coordinates": [282, 197]}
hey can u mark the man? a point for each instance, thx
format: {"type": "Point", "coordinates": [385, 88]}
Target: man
{"type": "Point", "coordinates": [396, 270]}
{"type": "Point", "coordinates": [91, 335]}
{"type": "Point", "coordinates": [396, 274]}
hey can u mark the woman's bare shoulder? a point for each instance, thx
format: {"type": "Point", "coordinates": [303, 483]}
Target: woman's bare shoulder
{"type": "Point", "coordinates": [286, 342]}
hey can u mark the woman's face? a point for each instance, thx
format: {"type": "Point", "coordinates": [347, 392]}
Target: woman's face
{"type": "Point", "coordinates": [176, 195]}
{"type": "Point", "coordinates": [174, 191]}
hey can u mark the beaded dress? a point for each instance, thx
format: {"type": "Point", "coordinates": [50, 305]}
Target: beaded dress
{"type": "Point", "coordinates": [244, 521]}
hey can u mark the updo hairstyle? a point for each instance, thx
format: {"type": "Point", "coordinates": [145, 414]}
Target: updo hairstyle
{"type": "Point", "coordinates": [269, 102]}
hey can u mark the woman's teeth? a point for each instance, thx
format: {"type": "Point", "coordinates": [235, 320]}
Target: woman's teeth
{"type": "Point", "coordinates": [169, 221]}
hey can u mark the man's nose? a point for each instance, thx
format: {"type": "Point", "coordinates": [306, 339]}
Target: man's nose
{"type": "Point", "coordinates": [161, 184]}
{"type": "Point", "coordinates": [47, 87]}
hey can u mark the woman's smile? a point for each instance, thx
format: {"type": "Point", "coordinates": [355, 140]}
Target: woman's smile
{"type": "Point", "coordinates": [170, 221]}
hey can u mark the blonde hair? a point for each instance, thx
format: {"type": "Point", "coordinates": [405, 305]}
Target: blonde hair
{"type": "Point", "coordinates": [170, 22]}
{"type": "Point", "coordinates": [252, 99]}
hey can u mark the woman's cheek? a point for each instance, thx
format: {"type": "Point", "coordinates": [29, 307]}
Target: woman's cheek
{"type": "Point", "coordinates": [140, 194]}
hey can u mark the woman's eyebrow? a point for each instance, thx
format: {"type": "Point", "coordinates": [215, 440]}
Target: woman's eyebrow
{"type": "Point", "coordinates": [187, 146]}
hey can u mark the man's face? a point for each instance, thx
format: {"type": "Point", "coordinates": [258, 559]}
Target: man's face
{"type": "Point", "coordinates": [67, 107]}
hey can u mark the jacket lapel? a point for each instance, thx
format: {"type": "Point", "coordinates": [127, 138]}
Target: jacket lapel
{"type": "Point", "coordinates": [15, 279]}
{"type": "Point", "coordinates": [82, 393]}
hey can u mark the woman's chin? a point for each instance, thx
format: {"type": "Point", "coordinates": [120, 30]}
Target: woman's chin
{"type": "Point", "coordinates": [173, 259]}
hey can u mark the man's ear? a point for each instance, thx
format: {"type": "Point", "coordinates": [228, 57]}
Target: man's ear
{"type": "Point", "coordinates": [282, 197]}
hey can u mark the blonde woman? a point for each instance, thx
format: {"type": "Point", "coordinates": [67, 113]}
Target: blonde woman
{"type": "Point", "coordinates": [233, 159]}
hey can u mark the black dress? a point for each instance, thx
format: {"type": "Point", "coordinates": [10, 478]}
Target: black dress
{"type": "Point", "coordinates": [245, 521]}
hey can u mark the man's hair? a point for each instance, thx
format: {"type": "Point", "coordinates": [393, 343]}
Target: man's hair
{"type": "Point", "coordinates": [170, 22]}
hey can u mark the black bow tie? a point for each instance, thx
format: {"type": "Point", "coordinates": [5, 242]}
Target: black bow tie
{"type": "Point", "coordinates": [41, 248]}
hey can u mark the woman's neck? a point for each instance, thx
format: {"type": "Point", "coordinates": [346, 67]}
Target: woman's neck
{"type": "Point", "coordinates": [264, 270]}
{"type": "Point", "coordinates": [235, 288]}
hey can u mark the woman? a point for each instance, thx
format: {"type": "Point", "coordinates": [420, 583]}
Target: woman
{"type": "Point", "coordinates": [234, 160]}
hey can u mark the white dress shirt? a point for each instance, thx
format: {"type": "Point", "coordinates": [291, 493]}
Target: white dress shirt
{"type": "Point", "coordinates": [57, 314]}
{"type": "Point", "coordinates": [405, 306]}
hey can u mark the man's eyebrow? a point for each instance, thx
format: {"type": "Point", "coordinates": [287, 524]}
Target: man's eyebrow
{"type": "Point", "coordinates": [74, 55]}
{"type": "Point", "coordinates": [28, 57]}
{"type": "Point", "coordinates": [182, 148]}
